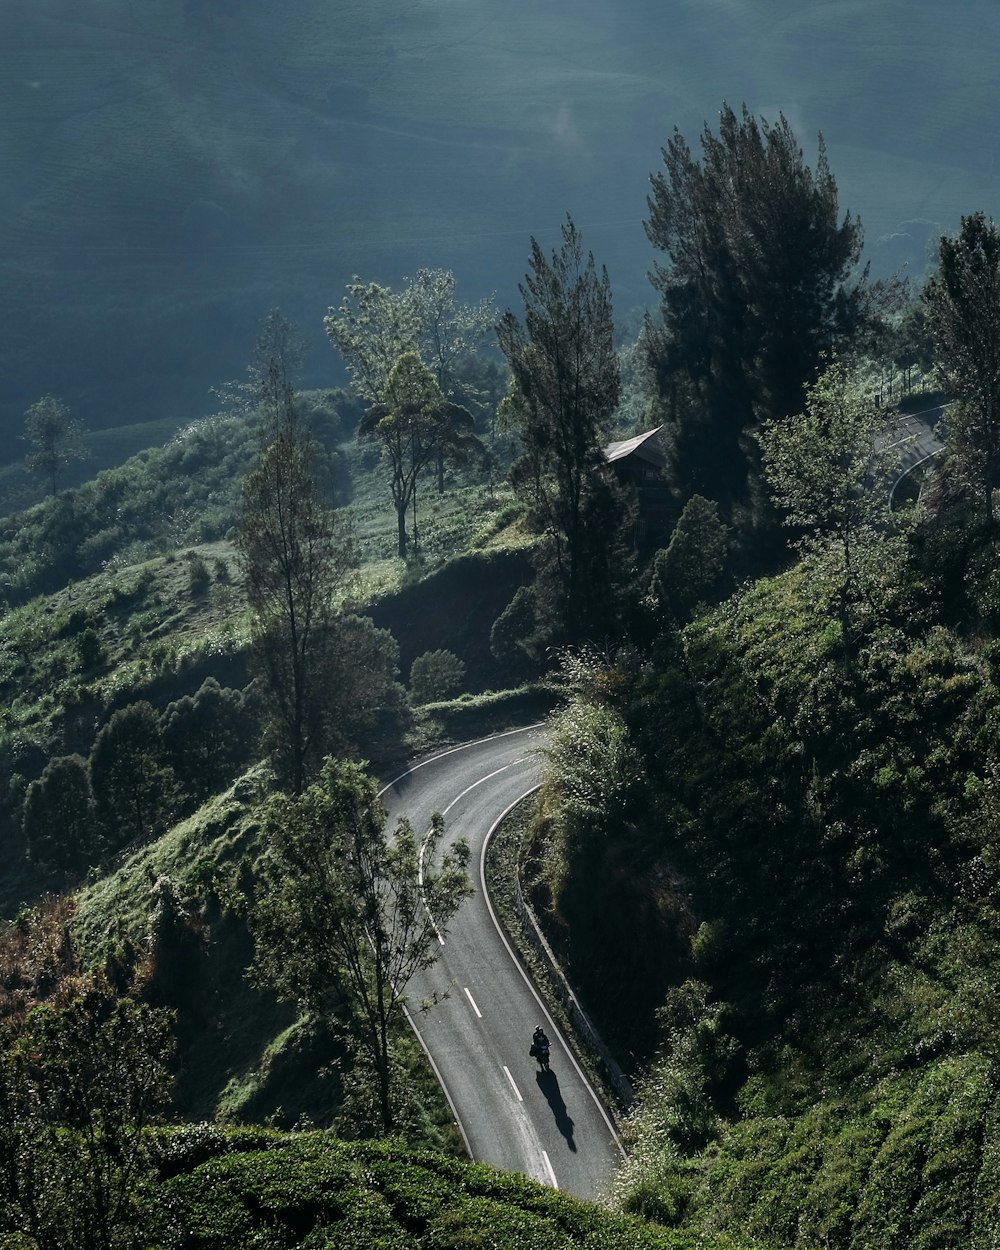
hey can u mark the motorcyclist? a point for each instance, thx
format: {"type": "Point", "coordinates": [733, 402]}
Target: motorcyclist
{"type": "Point", "coordinates": [540, 1041]}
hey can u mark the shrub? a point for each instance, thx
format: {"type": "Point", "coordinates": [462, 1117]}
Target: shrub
{"type": "Point", "coordinates": [435, 675]}
{"type": "Point", "coordinates": [198, 575]}
{"type": "Point", "coordinates": [89, 649]}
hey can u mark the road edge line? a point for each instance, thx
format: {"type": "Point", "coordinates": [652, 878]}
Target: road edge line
{"type": "Point", "coordinates": [462, 746]}
{"type": "Point", "coordinates": [515, 958]}
{"type": "Point", "coordinates": [441, 1081]}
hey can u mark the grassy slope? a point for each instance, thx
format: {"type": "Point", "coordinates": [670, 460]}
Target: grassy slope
{"type": "Point", "coordinates": [868, 1101]}
{"type": "Point", "coordinates": [312, 1190]}
{"type": "Point", "coordinates": [160, 636]}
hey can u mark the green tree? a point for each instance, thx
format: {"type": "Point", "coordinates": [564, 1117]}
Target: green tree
{"type": "Point", "coordinates": [367, 702]}
{"type": "Point", "coordinates": [81, 1080]}
{"type": "Point", "coordinates": [411, 424]}
{"type": "Point", "coordinates": [435, 675]}
{"type": "Point", "coordinates": [690, 566]}
{"type": "Point", "coordinates": [133, 786]}
{"type": "Point", "coordinates": [345, 916]}
{"type": "Point", "coordinates": [564, 391]}
{"type": "Point", "coordinates": [450, 336]}
{"type": "Point", "coordinates": [58, 818]}
{"type": "Point", "coordinates": [371, 329]}
{"type": "Point", "coordinates": [963, 306]}
{"type": "Point", "coordinates": [374, 326]}
{"type": "Point", "coordinates": [294, 554]}
{"type": "Point", "coordinates": [829, 470]}
{"type": "Point", "coordinates": [754, 289]}
{"type": "Point", "coordinates": [208, 736]}
{"type": "Point", "coordinates": [89, 649]}
{"type": "Point", "coordinates": [55, 437]}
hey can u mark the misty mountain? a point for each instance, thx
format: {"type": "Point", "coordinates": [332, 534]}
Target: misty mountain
{"type": "Point", "coordinates": [170, 170]}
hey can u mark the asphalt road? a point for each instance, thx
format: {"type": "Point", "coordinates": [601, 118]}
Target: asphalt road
{"type": "Point", "coordinates": [916, 440]}
{"type": "Point", "coordinates": [475, 1009]}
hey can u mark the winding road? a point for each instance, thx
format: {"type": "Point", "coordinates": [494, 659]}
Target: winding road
{"type": "Point", "coordinates": [475, 1009]}
{"type": "Point", "coordinates": [916, 439]}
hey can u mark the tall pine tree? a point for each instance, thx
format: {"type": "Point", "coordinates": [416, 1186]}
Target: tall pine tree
{"type": "Point", "coordinates": [565, 389]}
{"type": "Point", "coordinates": [755, 288]}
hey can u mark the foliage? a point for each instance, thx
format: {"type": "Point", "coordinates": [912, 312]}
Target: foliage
{"type": "Point", "coordinates": [37, 953]}
{"type": "Point", "coordinates": [59, 821]}
{"type": "Point", "coordinates": [828, 468]}
{"type": "Point", "coordinates": [309, 1189]}
{"type": "Point", "coordinates": [133, 786]}
{"type": "Point", "coordinates": [294, 556]}
{"type": "Point", "coordinates": [367, 706]}
{"type": "Point", "coordinates": [962, 300]}
{"type": "Point", "coordinates": [435, 675]}
{"type": "Point", "coordinates": [685, 572]}
{"type": "Point", "coordinates": [207, 737]}
{"type": "Point", "coordinates": [185, 491]}
{"type": "Point", "coordinates": [621, 923]}
{"type": "Point", "coordinates": [55, 437]}
{"type": "Point", "coordinates": [413, 424]}
{"type": "Point", "coordinates": [79, 1081]}
{"type": "Point", "coordinates": [375, 325]}
{"type": "Point", "coordinates": [833, 835]}
{"type": "Point", "coordinates": [344, 916]}
{"type": "Point", "coordinates": [564, 391]}
{"type": "Point", "coordinates": [513, 633]}
{"type": "Point", "coordinates": [754, 289]}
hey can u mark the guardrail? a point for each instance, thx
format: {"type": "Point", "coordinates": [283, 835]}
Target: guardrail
{"type": "Point", "coordinates": [582, 1024]}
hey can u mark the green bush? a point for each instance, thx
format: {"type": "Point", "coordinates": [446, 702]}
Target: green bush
{"type": "Point", "coordinates": [89, 649]}
{"type": "Point", "coordinates": [199, 578]}
{"type": "Point", "coordinates": [435, 675]}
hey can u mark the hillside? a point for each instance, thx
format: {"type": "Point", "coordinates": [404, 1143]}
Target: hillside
{"type": "Point", "coordinates": [170, 172]}
{"type": "Point", "coordinates": [221, 1192]}
{"type": "Point", "coordinates": [765, 847]}
{"type": "Point", "coordinates": [783, 859]}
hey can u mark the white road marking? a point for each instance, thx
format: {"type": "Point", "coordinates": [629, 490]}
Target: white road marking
{"type": "Point", "coordinates": [420, 886]}
{"type": "Point", "coordinates": [512, 1084]}
{"type": "Point", "coordinates": [423, 845]}
{"type": "Point", "coordinates": [488, 777]}
{"type": "Point", "coordinates": [507, 733]}
{"type": "Point", "coordinates": [524, 976]}
{"type": "Point", "coordinates": [442, 1082]}
{"type": "Point", "coordinates": [473, 1002]}
{"type": "Point", "coordinates": [548, 1168]}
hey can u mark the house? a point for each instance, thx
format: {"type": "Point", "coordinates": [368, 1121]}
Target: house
{"type": "Point", "coordinates": [639, 462]}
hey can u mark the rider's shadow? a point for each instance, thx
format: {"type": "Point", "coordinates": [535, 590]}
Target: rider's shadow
{"type": "Point", "coordinates": [548, 1083]}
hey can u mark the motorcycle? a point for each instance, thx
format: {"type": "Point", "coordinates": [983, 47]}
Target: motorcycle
{"type": "Point", "coordinates": [540, 1051]}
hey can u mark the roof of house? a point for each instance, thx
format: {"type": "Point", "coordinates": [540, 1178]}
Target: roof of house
{"type": "Point", "coordinates": [645, 446]}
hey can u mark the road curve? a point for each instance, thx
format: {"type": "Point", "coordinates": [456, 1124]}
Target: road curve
{"type": "Point", "coordinates": [916, 439]}
{"type": "Point", "coordinates": [475, 1009]}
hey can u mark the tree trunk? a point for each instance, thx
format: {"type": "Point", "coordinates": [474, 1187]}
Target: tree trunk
{"type": "Point", "coordinates": [401, 529]}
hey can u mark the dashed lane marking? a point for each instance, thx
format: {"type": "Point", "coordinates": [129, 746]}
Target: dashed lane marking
{"type": "Point", "coordinates": [513, 1084]}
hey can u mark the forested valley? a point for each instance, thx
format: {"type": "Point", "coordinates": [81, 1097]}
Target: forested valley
{"type": "Point", "coordinates": [766, 850]}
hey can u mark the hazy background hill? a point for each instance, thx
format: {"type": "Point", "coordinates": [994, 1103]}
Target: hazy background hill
{"type": "Point", "coordinates": [170, 169]}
